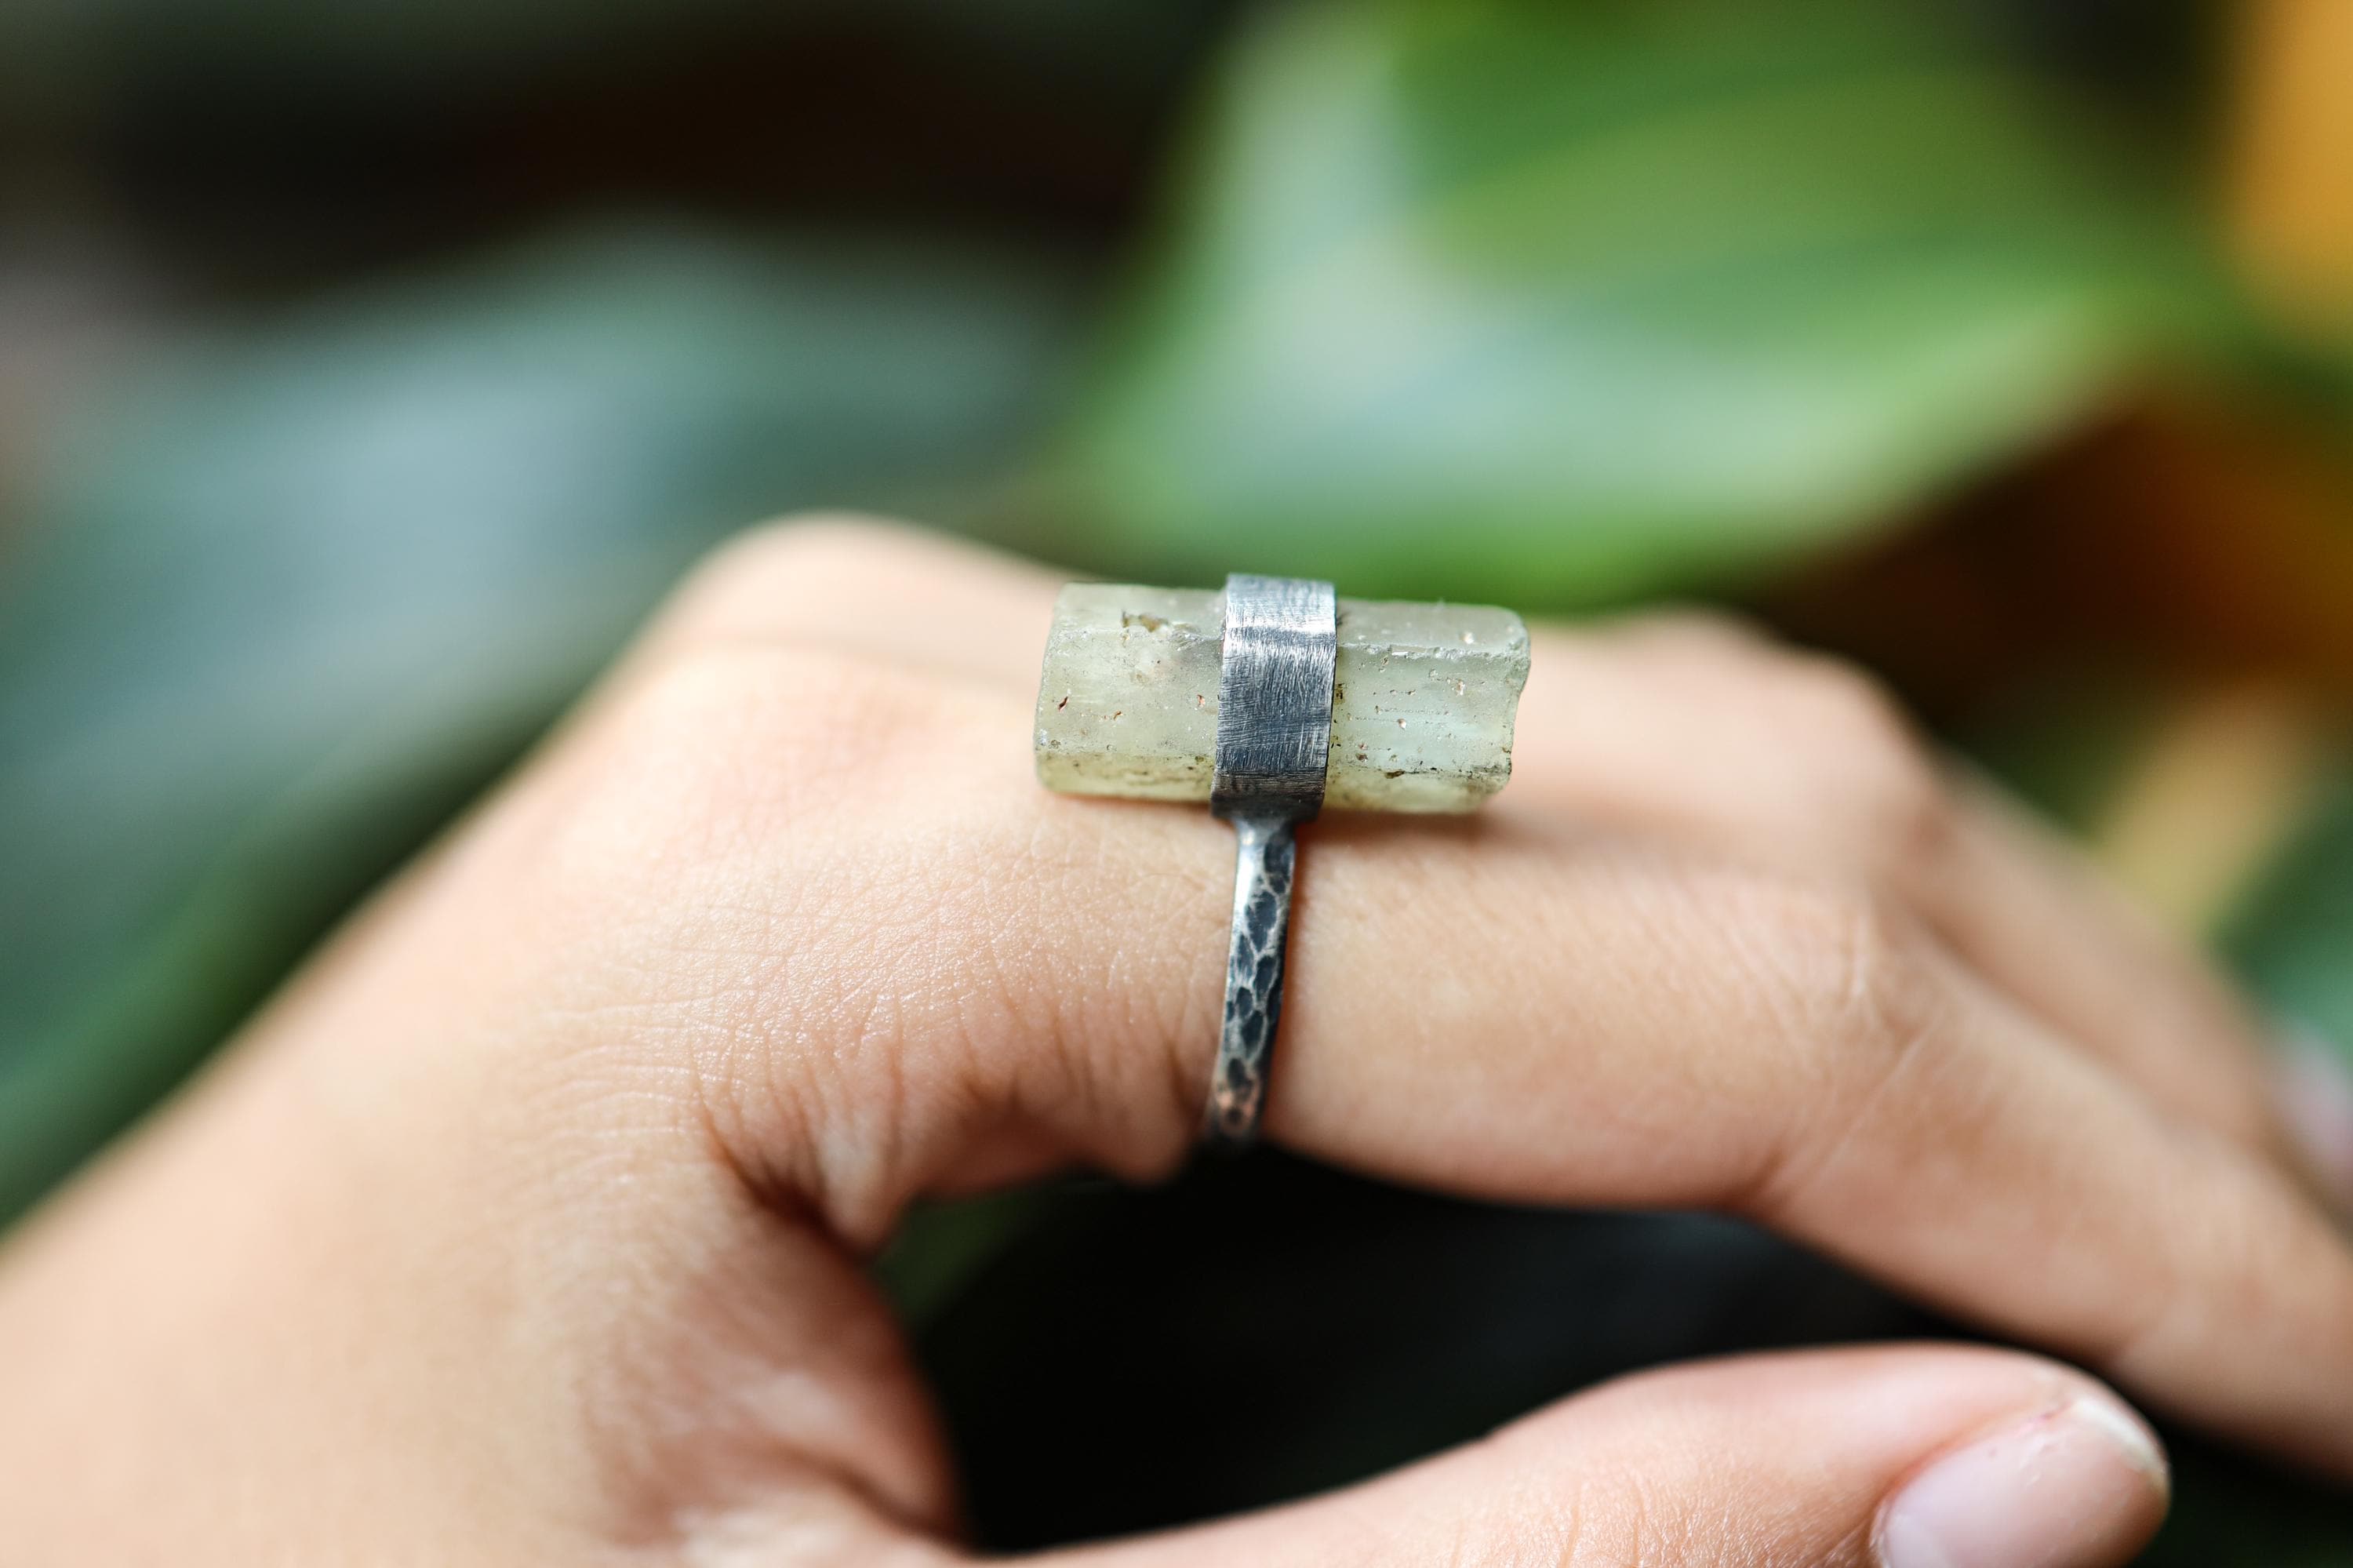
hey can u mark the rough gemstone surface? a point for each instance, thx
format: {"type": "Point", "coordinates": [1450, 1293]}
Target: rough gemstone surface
{"type": "Point", "coordinates": [1422, 707]}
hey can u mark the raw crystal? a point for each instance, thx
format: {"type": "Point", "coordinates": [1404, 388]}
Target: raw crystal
{"type": "Point", "coordinates": [1422, 704]}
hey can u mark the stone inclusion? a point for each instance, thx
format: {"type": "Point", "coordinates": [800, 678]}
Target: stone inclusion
{"type": "Point", "coordinates": [1423, 699]}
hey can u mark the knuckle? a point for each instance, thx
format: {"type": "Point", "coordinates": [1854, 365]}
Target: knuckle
{"type": "Point", "coordinates": [769, 574]}
{"type": "Point", "coordinates": [1876, 781]}
{"type": "Point", "coordinates": [1853, 969]}
{"type": "Point", "coordinates": [1852, 994]}
{"type": "Point", "coordinates": [1884, 996]}
{"type": "Point", "coordinates": [1854, 775]}
{"type": "Point", "coordinates": [802, 544]}
{"type": "Point", "coordinates": [1847, 708]}
{"type": "Point", "coordinates": [1709, 630]}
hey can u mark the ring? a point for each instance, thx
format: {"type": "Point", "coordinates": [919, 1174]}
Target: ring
{"type": "Point", "coordinates": [1281, 648]}
{"type": "Point", "coordinates": [1254, 700]}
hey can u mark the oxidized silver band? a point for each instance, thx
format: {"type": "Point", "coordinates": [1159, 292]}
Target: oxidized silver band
{"type": "Point", "coordinates": [1274, 737]}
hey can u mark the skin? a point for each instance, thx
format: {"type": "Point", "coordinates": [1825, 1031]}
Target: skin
{"type": "Point", "coordinates": [526, 1226]}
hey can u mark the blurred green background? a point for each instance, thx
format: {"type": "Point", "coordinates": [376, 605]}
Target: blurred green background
{"type": "Point", "coordinates": [367, 373]}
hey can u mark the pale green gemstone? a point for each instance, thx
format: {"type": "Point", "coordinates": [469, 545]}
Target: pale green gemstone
{"type": "Point", "coordinates": [1423, 700]}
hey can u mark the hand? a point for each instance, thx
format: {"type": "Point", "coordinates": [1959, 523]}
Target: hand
{"type": "Point", "coordinates": [526, 1225]}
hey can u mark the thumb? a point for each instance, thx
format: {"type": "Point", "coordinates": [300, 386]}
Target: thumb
{"type": "Point", "coordinates": [1896, 1457]}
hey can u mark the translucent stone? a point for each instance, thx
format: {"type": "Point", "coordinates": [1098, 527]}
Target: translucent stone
{"type": "Point", "coordinates": [1423, 699]}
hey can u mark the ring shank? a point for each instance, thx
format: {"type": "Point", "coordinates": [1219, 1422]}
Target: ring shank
{"type": "Point", "coordinates": [1265, 853]}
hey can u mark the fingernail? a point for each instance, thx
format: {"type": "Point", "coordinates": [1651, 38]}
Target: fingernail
{"type": "Point", "coordinates": [2079, 1487]}
{"type": "Point", "coordinates": [2315, 1089]}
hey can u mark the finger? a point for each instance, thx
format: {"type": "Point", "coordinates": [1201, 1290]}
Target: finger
{"type": "Point", "coordinates": [904, 968]}
{"type": "Point", "coordinates": [1902, 1457]}
{"type": "Point", "coordinates": [1683, 724]}
{"type": "Point", "coordinates": [1692, 727]}
{"type": "Point", "coordinates": [1843, 1081]}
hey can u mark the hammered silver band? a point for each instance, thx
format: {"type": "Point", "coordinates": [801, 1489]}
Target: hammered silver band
{"type": "Point", "coordinates": [1280, 647]}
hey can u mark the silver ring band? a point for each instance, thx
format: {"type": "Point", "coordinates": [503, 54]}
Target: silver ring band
{"type": "Point", "coordinates": [1274, 737]}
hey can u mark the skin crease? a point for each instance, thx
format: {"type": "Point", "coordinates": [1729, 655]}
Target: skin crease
{"type": "Point", "coordinates": [526, 1225]}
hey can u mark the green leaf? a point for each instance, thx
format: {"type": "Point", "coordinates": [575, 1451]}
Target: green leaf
{"type": "Point", "coordinates": [297, 590]}
{"type": "Point", "coordinates": [1565, 303]}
